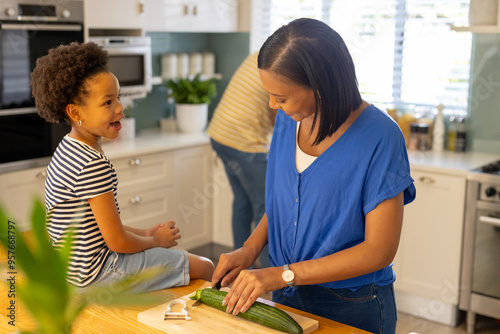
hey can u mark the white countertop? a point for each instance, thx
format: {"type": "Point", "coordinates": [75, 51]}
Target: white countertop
{"type": "Point", "coordinates": [151, 141]}
{"type": "Point", "coordinates": [447, 162]}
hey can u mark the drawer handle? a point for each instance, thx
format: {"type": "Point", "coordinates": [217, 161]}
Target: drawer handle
{"type": "Point", "coordinates": [134, 162]}
{"type": "Point", "coordinates": [427, 180]}
{"type": "Point", "coordinates": [41, 175]}
{"type": "Point", "coordinates": [490, 220]}
{"type": "Point", "coordinates": [135, 200]}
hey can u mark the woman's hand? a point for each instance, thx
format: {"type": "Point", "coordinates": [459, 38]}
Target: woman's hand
{"type": "Point", "coordinates": [166, 235]}
{"type": "Point", "coordinates": [249, 285]}
{"type": "Point", "coordinates": [231, 264]}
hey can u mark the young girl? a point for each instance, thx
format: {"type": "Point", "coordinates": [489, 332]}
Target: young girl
{"type": "Point", "coordinates": [72, 84]}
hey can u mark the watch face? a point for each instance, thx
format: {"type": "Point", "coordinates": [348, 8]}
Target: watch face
{"type": "Point", "coordinates": [287, 275]}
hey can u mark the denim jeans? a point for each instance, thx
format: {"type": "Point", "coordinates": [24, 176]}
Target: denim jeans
{"type": "Point", "coordinates": [371, 308]}
{"type": "Point", "coordinates": [246, 173]}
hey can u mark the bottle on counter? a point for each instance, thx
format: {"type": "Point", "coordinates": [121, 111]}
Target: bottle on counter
{"type": "Point", "coordinates": [438, 130]}
{"type": "Point", "coordinates": [423, 136]}
{"type": "Point", "coordinates": [452, 133]}
{"type": "Point", "coordinates": [414, 137]}
{"type": "Point", "coordinates": [461, 134]}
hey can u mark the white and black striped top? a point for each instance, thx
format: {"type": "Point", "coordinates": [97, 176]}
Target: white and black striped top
{"type": "Point", "coordinates": [76, 173]}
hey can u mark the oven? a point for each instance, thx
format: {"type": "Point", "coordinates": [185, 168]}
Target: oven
{"type": "Point", "coordinates": [28, 29]}
{"type": "Point", "coordinates": [480, 277]}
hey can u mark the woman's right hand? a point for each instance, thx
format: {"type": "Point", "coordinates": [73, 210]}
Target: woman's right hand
{"type": "Point", "coordinates": [231, 264]}
{"type": "Point", "coordinates": [167, 235]}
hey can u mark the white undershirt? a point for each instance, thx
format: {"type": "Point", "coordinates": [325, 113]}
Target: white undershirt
{"type": "Point", "coordinates": [302, 159]}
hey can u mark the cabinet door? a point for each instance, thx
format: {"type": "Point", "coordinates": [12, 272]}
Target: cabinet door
{"type": "Point", "coordinates": [428, 259]}
{"type": "Point", "coordinates": [168, 15]}
{"type": "Point", "coordinates": [110, 14]}
{"type": "Point", "coordinates": [143, 208]}
{"type": "Point", "coordinates": [145, 184]}
{"type": "Point", "coordinates": [214, 16]}
{"type": "Point", "coordinates": [17, 192]}
{"type": "Point", "coordinates": [194, 191]}
{"type": "Point", "coordinates": [192, 15]}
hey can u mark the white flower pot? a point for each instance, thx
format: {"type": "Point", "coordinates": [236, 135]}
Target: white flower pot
{"type": "Point", "coordinates": [191, 118]}
{"type": "Point", "coordinates": [128, 129]}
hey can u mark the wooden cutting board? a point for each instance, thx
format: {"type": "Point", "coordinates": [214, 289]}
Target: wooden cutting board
{"type": "Point", "coordinates": [206, 319]}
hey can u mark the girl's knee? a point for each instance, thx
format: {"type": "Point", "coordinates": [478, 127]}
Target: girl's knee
{"type": "Point", "coordinates": [200, 267]}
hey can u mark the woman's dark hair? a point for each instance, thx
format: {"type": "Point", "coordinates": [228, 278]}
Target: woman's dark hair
{"type": "Point", "coordinates": [312, 54]}
{"type": "Point", "coordinates": [59, 78]}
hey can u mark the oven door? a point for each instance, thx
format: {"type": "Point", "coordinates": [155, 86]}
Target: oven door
{"type": "Point", "coordinates": [21, 44]}
{"type": "Point", "coordinates": [486, 263]}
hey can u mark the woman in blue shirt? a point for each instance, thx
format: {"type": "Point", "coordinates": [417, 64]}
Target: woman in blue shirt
{"type": "Point", "coordinates": [337, 180]}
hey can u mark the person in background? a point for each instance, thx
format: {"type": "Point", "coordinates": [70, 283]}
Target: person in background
{"type": "Point", "coordinates": [337, 181]}
{"type": "Point", "coordinates": [239, 131]}
{"type": "Point", "coordinates": [72, 84]}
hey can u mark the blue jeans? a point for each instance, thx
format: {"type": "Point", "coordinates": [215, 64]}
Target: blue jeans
{"type": "Point", "coordinates": [247, 175]}
{"type": "Point", "coordinates": [371, 308]}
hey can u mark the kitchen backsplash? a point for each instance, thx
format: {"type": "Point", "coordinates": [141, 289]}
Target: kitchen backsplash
{"type": "Point", "coordinates": [230, 49]}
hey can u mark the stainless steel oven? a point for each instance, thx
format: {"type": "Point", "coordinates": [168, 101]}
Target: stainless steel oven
{"type": "Point", "coordinates": [28, 29]}
{"type": "Point", "coordinates": [480, 278]}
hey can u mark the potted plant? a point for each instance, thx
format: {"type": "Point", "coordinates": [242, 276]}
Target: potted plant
{"type": "Point", "coordinates": [192, 97]}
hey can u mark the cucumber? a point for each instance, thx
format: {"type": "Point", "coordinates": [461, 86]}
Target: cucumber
{"type": "Point", "coordinates": [260, 313]}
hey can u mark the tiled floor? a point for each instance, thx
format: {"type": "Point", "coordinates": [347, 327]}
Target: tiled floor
{"type": "Point", "coordinates": [406, 323]}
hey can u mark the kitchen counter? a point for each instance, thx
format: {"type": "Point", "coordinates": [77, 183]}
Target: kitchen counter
{"type": "Point", "coordinates": [123, 320]}
{"type": "Point", "coordinates": [451, 163]}
{"type": "Point", "coordinates": [151, 141]}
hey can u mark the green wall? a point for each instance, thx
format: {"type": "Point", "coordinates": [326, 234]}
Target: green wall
{"type": "Point", "coordinates": [483, 122]}
{"type": "Point", "coordinates": [230, 50]}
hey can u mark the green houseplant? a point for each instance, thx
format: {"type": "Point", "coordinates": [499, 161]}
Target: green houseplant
{"type": "Point", "coordinates": [192, 95]}
{"type": "Point", "coordinates": [52, 303]}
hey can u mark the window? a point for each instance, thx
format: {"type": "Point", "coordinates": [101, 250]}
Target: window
{"type": "Point", "coordinates": [404, 50]}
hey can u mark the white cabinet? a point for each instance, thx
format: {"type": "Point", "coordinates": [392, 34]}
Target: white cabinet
{"type": "Point", "coordinates": [222, 230]}
{"type": "Point", "coordinates": [192, 15]}
{"type": "Point", "coordinates": [145, 184]}
{"type": "Point", "coordinates": [17, 192]}
{"type": "Point", "coordinates": [111, 14]}
{"type": "Point", "coordinates": [427, 264]}
{"type": "Point", "coordinates": [193, 191]}
{"type": "Point", "coordinates": [154, 188]}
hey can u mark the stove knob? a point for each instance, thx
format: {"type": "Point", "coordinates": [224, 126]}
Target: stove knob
{"type": "Point", "coordinates": [66, 14]}
{"type": "Point", "coordinates": [490, 192]}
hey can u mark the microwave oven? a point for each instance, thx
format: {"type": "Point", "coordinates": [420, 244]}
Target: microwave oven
{"type": "Point", "coordinates": [130, 62]}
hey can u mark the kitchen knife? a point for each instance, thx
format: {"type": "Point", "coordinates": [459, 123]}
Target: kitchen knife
{"type": "Point", "coordinates": [218, 285]}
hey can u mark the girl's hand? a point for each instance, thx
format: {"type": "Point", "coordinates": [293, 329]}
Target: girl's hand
{"type": "Point", "coordinates": [149, 232]}
{"type": "Point", "coordinates": [167, 235]}
{"type": "Point", "coordinates": [249, 285]}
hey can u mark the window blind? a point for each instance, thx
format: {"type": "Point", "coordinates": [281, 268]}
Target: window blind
{"type": "Point", "coordinates": [404, 50]}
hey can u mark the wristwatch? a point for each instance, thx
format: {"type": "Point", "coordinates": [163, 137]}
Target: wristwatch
{"type": "Point", "coordinates": [287, 275]}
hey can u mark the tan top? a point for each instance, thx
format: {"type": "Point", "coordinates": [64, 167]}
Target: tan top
{"type": "Point", "coordinates": [243, 119]}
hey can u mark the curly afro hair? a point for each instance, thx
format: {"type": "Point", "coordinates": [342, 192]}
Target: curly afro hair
{"type": "Point", "coordinates": [59, 78]}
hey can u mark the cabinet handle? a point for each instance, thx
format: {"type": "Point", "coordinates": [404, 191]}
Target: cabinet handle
{"type": "Point", "coordinates": [195, 10]}
{"type": "Point", "coordinates": [42, 175]}
{"type": "Point", "coordinates": [135, 200]}
{"type": "Point", "coordinates": [427, 180]}
{"type": "Point", "coordinates": [490, 220]}
{"type": "Point", "coordinates": [186, 10]}
{"type": "Point", "coordinates": [141, 7]}
{"type": "Point", "coordinates": [134, 162]}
